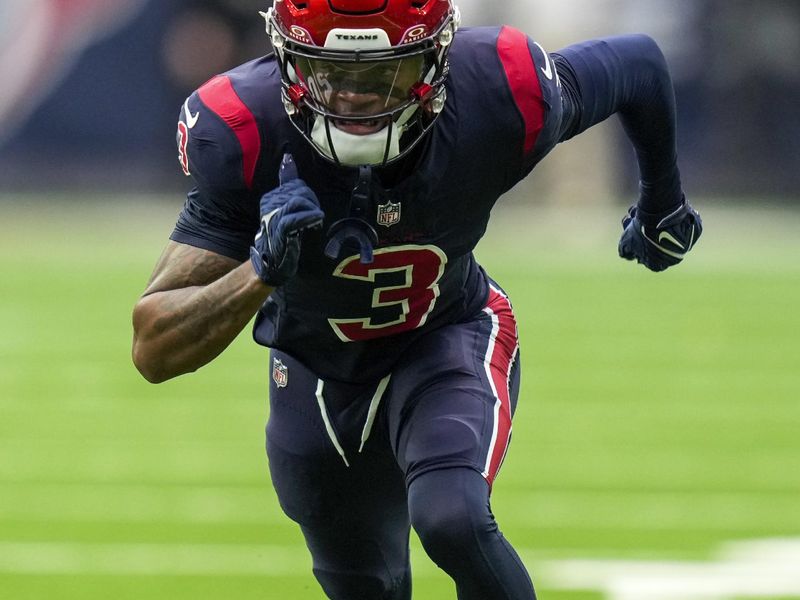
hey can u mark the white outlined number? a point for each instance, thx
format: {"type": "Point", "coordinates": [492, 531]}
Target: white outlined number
{"type": "Point", "coordinates": [422, 266]}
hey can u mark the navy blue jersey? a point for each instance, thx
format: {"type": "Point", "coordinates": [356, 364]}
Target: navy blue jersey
{"type": "Point", "coordinates": [346, 320]}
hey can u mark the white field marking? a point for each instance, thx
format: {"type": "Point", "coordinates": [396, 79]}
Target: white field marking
{"type": "Point", "coordinates": [759, 568]}
{"type": "Point", "coordinates": [151, 559]}
{"type": "Point", "coordinates": [74, 558]}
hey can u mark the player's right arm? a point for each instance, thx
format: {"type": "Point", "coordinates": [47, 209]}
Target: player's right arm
{"type": "Point", "coordinates": [203, 290]}
{"type": "Point", "coordinates": [198, 301]}
{"type": "Point", "coordinates": [195, 305]}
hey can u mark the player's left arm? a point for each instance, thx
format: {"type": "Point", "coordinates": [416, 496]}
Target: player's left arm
{"type": "Point", "coordinates": [628, 76]}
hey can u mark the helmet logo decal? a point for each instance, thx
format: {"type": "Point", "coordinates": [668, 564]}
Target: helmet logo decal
{"type": "Point", "coordinates": [415, 34]}
{"type": "Point", "coordinates": [351, 36]}
{"type": "Point", "coordinates": [300, 34]}
{"type": "Point", "coordinates": [388, 214]}
{"type": "Point", "coordinates": [357, 39]}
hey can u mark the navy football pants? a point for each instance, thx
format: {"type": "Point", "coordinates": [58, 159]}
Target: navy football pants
{"type": "Point", "coordinates": [357, 465]}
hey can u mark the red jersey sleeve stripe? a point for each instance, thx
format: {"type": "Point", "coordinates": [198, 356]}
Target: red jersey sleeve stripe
{"type": "Point", "coordinates": [219, 96]}
{"type": "Point", "coordinates": [512, 47]}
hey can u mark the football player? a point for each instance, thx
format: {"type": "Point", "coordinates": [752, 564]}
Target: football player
{"type": "Point", "coordinates": [341, 185]}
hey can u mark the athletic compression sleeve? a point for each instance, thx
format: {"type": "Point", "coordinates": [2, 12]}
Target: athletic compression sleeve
{"type": "Point", "coordinates": [627, 75]}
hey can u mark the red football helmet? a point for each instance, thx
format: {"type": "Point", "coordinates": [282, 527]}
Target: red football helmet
{"type": "Point", "coordinates": [363, 80]}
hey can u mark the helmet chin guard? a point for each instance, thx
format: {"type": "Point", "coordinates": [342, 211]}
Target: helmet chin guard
{"type": "Point", "coordinates": [363, 86]}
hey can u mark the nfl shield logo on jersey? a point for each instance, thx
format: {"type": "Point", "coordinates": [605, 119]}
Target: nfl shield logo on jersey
{"type": "Point", "coordinates": [388, 214]}
{"type": "Point", "coordinates": [280, 373]}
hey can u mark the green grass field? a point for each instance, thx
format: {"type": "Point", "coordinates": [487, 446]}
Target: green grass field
{"type": "Point", "coordinates": [659, 418]}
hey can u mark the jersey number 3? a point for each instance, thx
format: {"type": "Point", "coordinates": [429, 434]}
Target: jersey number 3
{"type": "Point", "coordinates": [415, 298]}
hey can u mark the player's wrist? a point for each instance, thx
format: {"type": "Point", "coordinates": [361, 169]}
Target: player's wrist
{"type": "Point", "coordinates": [654, 219]}
{"type": "Point", "coordinates": [261, 269]}
{"type": "Point", "coordinates": [255, 283]}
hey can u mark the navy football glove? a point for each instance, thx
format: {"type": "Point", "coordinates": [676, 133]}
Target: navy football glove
{"type": "Point", "coordinates": [660, 241]}
{"type": "Point", "coordinates": [286, 211]}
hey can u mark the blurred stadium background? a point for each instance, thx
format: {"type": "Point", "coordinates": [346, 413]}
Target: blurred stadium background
{"type": "Point", "coordinates": [656, 450]}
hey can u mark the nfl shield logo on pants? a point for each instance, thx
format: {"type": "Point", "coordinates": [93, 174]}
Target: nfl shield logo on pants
{"type": "Point", "coordinates": [388, 214]}
{"type": "Point", "coordinates": [280, 373]}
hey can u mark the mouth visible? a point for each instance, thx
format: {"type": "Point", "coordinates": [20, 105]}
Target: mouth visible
{"type": "Point", "coordinates": [361, 127]}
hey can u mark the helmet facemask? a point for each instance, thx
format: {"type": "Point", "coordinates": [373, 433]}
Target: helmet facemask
{"type": "Point", "coordinates": [366, 106]}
